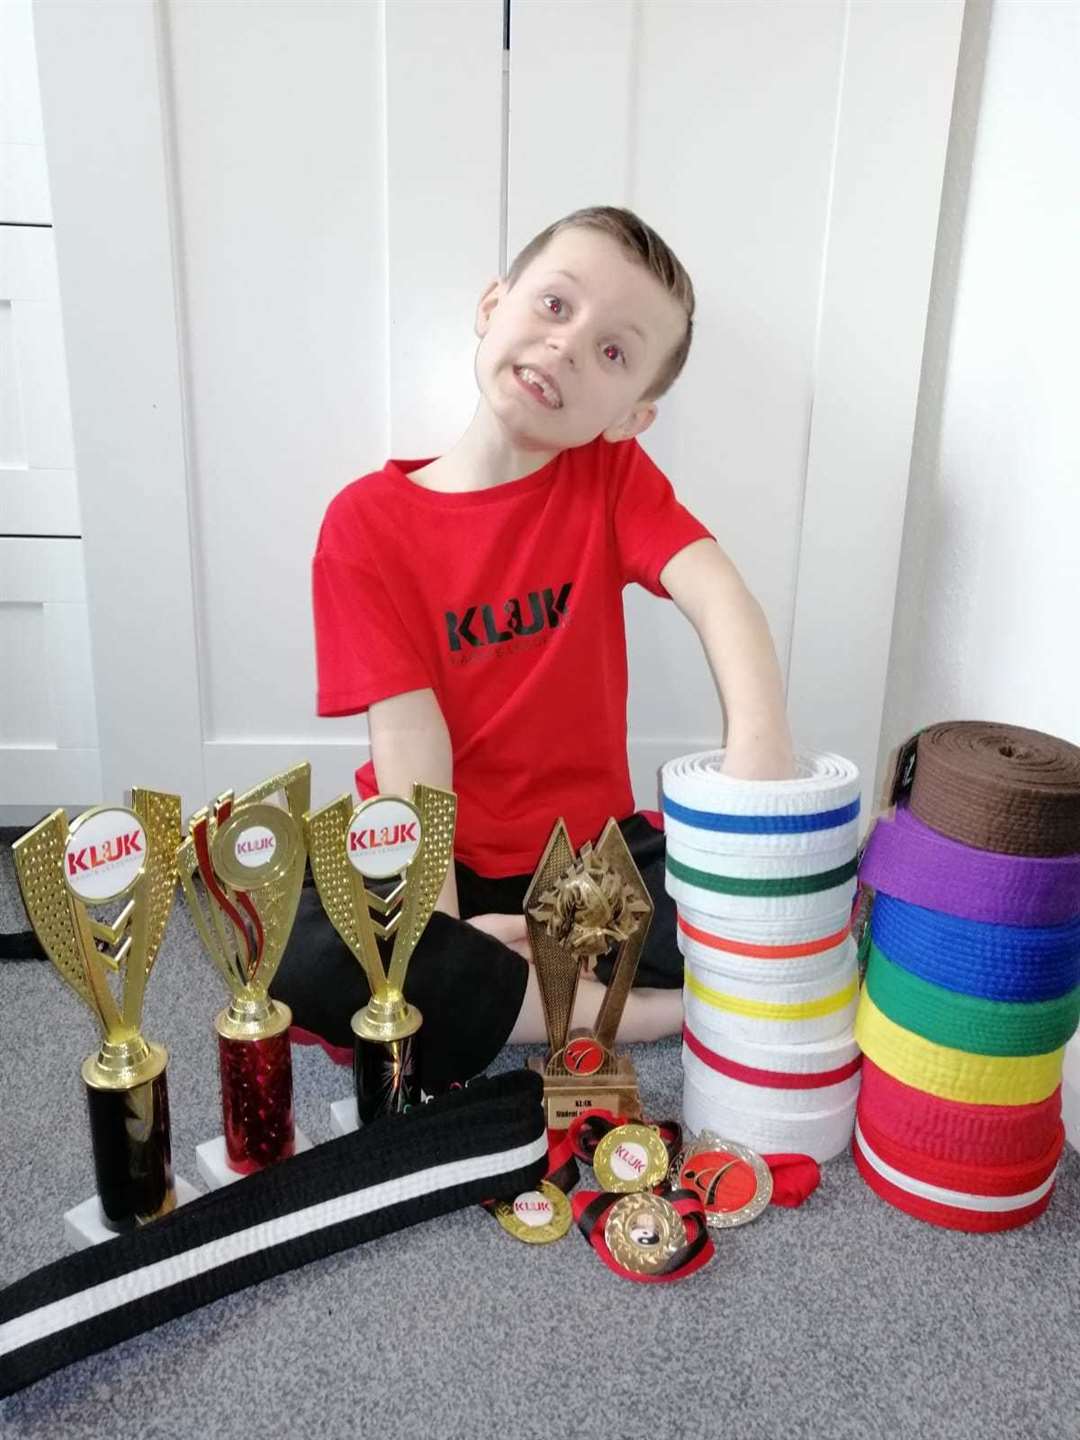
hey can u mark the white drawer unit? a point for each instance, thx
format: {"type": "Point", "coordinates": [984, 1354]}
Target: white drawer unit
{"type": "Point", "coordinates": [48, 726]}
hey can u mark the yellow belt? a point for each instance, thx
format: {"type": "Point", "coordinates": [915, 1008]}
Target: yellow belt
{"type": "Point", "coordinates": [954, 1074]}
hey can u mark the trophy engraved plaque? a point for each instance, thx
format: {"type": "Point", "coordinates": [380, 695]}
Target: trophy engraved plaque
{"type": "Point", "coordinates": [406, 847]}
{"type": "Point", "coordinates": [577, 908]}
{"type": "Point", "coordinates": [248, 856]}
{"type": "Point", "coordinates": [112, 853]}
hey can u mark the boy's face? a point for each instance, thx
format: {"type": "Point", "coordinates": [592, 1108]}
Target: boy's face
{"type": "Point", "coordinates": [600, 337]}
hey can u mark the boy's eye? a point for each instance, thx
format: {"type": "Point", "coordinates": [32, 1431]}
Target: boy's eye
{"type": "Point", "coordinates": [556, 301]}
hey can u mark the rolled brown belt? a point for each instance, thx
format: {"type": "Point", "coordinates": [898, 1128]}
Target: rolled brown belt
{"type": "Point", "coordinates": [998, 787]}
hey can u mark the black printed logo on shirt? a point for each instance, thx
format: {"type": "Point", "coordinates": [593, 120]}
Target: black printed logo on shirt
{"type": "Point", "coordinates": [477, 625]}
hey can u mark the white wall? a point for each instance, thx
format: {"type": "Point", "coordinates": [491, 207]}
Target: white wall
{"type": "Point", "coordinates": [986, 614]}
{"type": "Point", "coordinates": [989, 589]}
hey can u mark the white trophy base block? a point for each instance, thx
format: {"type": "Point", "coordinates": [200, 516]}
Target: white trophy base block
{"type": "Point", "coordinates": [83, 1226]}
{"type": "Point", "coordinates": [215, 1168]}
{"type": "Point", "coordinates": [343, 1116]}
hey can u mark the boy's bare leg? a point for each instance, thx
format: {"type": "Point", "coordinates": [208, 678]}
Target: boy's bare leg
{"type": "Point", "coordinates": [649, 1014]}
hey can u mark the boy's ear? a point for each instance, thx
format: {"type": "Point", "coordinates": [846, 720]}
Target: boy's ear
{"type": "Point", "coordinates": [639, 419]}
{"type": "Point", "coordinates": [488, 300]}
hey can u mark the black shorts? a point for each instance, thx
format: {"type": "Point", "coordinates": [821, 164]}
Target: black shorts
{"type": "Point", "coordinates": [468, 986]}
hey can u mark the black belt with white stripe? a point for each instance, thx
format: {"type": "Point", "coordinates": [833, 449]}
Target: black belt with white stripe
{"type": "Point", "coordinates": [487, 1141]}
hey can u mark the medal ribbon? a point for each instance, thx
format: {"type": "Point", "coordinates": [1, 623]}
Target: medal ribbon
{"type": "Point", "coordinates": [590, 1211]}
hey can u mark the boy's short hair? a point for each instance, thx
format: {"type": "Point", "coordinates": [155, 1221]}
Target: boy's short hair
{"type": "Point", "coordinates": [641, 243]}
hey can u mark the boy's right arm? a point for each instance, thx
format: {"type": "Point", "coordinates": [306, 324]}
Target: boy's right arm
{"type": "Point", "coordinates": [410, 742]}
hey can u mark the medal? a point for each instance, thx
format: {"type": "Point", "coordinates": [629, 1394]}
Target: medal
{"type": "Point", "coordinates": [630, 1158]}
{"type": "Point", "coordinates": [733, 1182]}
{"type": "Point", "coordinates": [536, 1216]}
{"type": "Point", "coordinates": [643, 1232]}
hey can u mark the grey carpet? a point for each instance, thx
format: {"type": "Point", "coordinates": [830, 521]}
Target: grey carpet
{"type": "Point", "coordinates": [842, 1319]}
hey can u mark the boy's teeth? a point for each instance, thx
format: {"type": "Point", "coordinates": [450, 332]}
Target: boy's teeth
{"type": "Point", "coordinates": [534, 379]}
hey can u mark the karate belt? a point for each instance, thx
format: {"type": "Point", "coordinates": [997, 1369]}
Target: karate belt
{"type": "Point", "coordinates": [763, 874]}
{"type": "Point", "coordinates": [968, 1022]}
{"type": "Point", "coordinates": [954, 1074]}
{"type": "Point", "coordinates": [722, 956]}
{"type": "Point", "coordinates": [998, 787]}
{"type": "Point", "coordinates": [706, 810]}
{"type": "Point", "coordinates": [995, 962]}
{"type": "Point", "coordinates": [487, 1141]}
{"type": "Point", "coordinates": [906, 859]}
{"type": "Point", "coordinates": [782, 1013]}
{"type": "Point", "coordinates": [976, 1135]}
{"type": "Point", "coordinates": [821, 1134]}
{"type": "Point", "coordinates": [953, 1196]}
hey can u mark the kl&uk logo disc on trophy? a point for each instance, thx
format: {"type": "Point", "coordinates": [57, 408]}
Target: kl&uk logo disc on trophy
{"type": "Point", "coordinates": [578, 908]}
{"type": "Point", "coordinates": [248, 857]}
{"type": "Point", "coordinates": [405, 848]}
{"type": "Point", "coordinates": [112, 854]}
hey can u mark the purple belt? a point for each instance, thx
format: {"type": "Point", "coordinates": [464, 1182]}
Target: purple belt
{"type": "Point", "coordinates": [905, 858]}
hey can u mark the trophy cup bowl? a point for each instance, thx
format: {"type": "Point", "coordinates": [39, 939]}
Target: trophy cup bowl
{"type": "Point", "coordinates": [404, 847]}
{"type": "Point", "coordinates": [577, 908]}
{"type": "Point", "coordinates": [112, 853]}
{"type": "Point", "coordinates": [248, 855]}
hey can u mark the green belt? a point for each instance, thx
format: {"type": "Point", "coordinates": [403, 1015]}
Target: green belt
{"type": "Point", "coordinates": [968, 1022]}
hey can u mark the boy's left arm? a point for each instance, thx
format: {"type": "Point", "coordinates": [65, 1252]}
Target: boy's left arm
{"type": "Point", "coordinates": [735, 635]}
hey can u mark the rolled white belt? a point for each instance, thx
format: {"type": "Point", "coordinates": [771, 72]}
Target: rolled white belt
{"type": "Point", "coordinates": [705, 810]}
{"type": "Point", "coordinates": [738, 1095]}
{"type": "Point", "coordinates": [763, 888]}
{"type": "Point", "coordinates": [766, 1022]}
{"type": "Point", "coordinates": [820, 1134]}
{"type": "Point", "coordinates": [737, 933]}
{"type": "Point", "coordinates": [712, 960]}
{"type": "Point", "coordinates": [815, 1059]}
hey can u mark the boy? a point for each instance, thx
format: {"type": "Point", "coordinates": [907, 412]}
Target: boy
{"type": "Point", "coordinates": [471, 604]}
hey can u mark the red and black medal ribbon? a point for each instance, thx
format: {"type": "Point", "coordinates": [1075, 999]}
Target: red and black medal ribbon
{"type": "Point", "coordinates": [562, 1168]}
{"type": "Point", "coordinates": [589, 1128]}
{"type": "Point", "coordinates": [591, 1209]}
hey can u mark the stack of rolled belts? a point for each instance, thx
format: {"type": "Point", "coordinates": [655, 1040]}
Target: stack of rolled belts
{"type": "Point", "coordinates": [971, 988]}
{"type": "Point", "coordinates": [763, 876]}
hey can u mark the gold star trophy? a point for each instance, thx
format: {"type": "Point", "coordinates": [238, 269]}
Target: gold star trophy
{"type": "Point", "coordinates": [577, 908]}
{"type": "Point", "coordinates": [406, 847]}
{"type": "Point", "coordinates": [112, 853]}
{"type": "Point", "coordinates": [248, 856]}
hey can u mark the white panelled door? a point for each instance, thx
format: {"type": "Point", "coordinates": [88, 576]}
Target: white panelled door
{"type": "Point", "coordinates": [309, 199]}
{"type": "Point", "coordinates": [48, 733]}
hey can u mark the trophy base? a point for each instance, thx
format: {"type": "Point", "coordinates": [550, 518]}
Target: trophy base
{"type": "Point", "coordinates": [344, 1118]}
{"type": "Point", "coordinates": [566, 1096]}
{"type": "Point", "coordinates": [213, 1163]}
{"type": "Point", "coordinates": [84, 1226]}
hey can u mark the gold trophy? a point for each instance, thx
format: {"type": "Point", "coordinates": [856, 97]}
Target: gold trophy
{"type": "Point", "coordinates": [112, 853]}
{"type": "Point", "coordinates": [577, 908]}
{"type": "Point", "coordinates": [248, 853]}
{"type": "Point", "coordinates": [410, 845]}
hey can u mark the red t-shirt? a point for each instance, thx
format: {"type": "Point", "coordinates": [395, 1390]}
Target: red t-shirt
{"type": "Point", "coordinates": [507, 603]}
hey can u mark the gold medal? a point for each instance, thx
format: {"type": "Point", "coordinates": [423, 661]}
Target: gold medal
{"type": "Point", "coordinates": [732, 1181]}
{"type": "Point", "coordinates": [630, 1158]}
{"type": "Point", "coordinates": [643, 1232]}
{"type": "Point", "coordinates": [536, 1216]}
